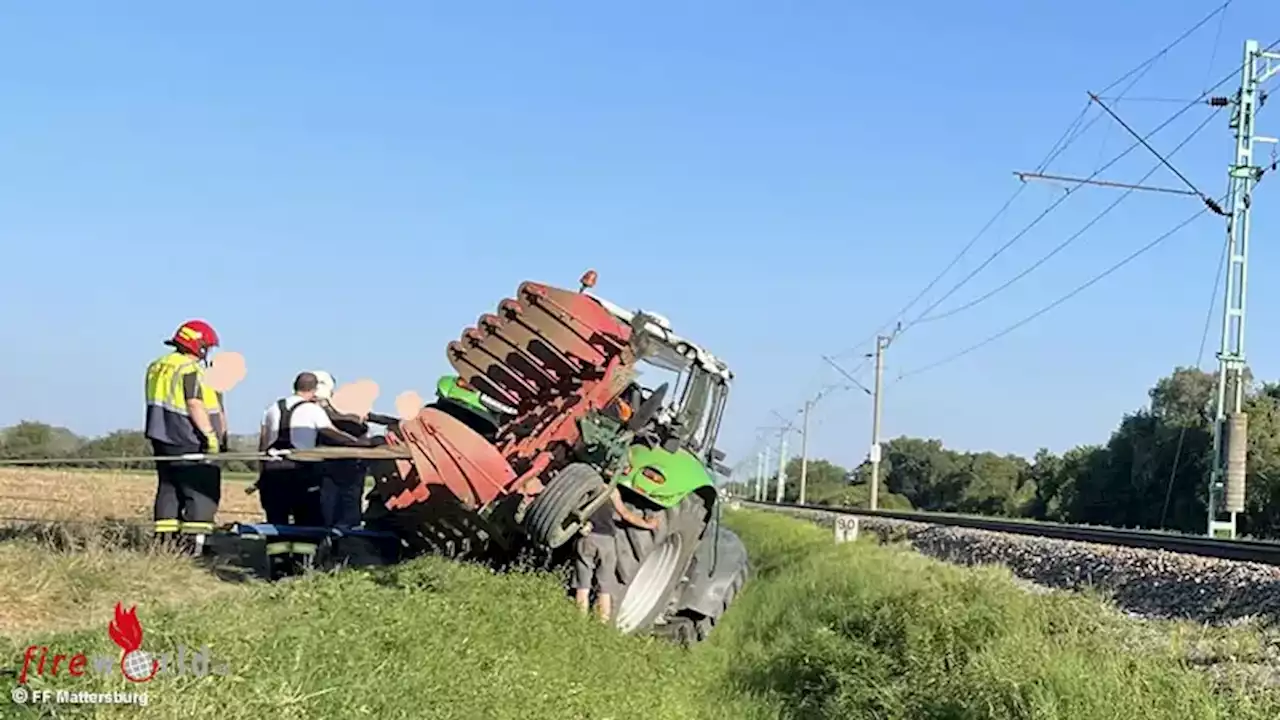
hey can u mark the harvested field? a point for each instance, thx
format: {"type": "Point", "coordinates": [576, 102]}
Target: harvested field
{"type": "Point", "coordinates": [73, 543]}
{"type": "Point", "coordinates": [94, 496]}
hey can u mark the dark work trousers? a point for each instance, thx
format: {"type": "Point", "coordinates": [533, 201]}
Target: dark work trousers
{"type": "Point", "coordinates": [187, 494]}
{"type": "Point", "coordinates": [340, 492]}
{"type": "Point", "coordinates": [291, 495]}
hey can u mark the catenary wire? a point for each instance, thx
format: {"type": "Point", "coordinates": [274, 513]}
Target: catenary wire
{"type": "Point", "coordinates": [1081, 288]}
{"type": "Point", "coordinates": [1063, 198]}
{"type": "Point", "coordinates": [1058, 147]}
{"type": "Point", "coordinates": [1208, 318]}
{"type": "Point", "coordinates": [1164, 160]}
{"type": "Point", "coordinates": [1204, 341]}
{"type": "Point", "coordinates": [1087, 126]}
{"type": "Point", "coordinates": [1069, 136]}
{"type": "Point", "coordinates": [1072, 238]}
{"type": "Point", "coordinates": [1217, 39]}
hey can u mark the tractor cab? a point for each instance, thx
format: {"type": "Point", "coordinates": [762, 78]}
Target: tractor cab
{"type": "Point", "coordinates": [680, 391]}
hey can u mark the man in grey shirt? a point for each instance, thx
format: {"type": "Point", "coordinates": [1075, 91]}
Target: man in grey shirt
{"type": "Point", "coordinates": [596, 556]}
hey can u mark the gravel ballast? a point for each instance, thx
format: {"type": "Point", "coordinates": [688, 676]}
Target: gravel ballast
{"type": "Point", "coordinates": [1151, 583]}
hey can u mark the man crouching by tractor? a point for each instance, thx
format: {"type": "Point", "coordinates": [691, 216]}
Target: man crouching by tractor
{"type": "Point", "coordinates": [290, 490]}
{"type": "Point", "coordinates": [596, 556]}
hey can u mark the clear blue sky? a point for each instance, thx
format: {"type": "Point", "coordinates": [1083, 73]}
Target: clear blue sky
{"type": "Point", "coordinates": [351, 185]}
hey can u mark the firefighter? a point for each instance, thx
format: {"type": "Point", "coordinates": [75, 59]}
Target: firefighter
{"type": "Point", "coordinates": [184, 415]}
{"type": "Point", "coordinates": [342, 479]}
{"type": "Point", "coordinates": [290, 490]}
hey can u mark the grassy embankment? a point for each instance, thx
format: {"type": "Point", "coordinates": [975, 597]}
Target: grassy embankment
{"type": "Point", "coordinates": [823, 631]}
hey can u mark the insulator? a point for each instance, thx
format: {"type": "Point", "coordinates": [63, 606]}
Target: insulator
{"type": "Point", "coordinates": [1219, 101]}
{"type": "Point", "coordinates": [1237, 454]}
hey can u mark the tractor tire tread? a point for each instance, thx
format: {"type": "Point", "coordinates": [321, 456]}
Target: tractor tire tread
{"type": "Point", "coordinates": [548, 511]}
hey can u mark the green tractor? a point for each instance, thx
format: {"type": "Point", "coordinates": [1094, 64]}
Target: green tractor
{"type": "Point", "coordinates": [559, 400]}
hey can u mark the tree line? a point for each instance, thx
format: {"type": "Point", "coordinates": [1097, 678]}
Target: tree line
{"type": "Point", "coordinates": [1151, 472]}
{"type": "Point", "coordinates": [29, 440]}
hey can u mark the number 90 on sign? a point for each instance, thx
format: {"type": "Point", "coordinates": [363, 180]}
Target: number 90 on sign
{"type": "Point", "coordinates": [846, 528]}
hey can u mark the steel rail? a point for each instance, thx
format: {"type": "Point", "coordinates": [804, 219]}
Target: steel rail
{"type": "Point", "coordinates": [1258, 551]}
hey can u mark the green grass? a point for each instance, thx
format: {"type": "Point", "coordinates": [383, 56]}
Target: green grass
{"type": "Point", "coordinates": [431, 639]}
{"type": "Point", "coordinates": [872, 631]}
{"type": "Point", "coordinates": [822, 631]}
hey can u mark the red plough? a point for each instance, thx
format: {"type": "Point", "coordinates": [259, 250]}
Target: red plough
{"type": "Point", "coordinates": [551, 354]}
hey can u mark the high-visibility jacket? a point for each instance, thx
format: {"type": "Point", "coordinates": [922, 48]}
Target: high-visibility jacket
{"type": "Point", "coordinates": [168, 420]}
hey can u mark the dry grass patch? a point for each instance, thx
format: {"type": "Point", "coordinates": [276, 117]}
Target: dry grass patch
{"type": "Point", "coordinates": [68, 577]}
{"type": "Point", "coordinates": [73, 543]}
{"type": "Point", "coordinates": [89, 495]}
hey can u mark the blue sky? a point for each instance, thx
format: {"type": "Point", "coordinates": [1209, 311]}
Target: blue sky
{"type": "Point", "coordinates": [351, 186]}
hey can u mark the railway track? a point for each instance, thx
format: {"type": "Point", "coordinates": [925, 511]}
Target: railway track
{"type": "Point", "coordinates": [1257, 551]}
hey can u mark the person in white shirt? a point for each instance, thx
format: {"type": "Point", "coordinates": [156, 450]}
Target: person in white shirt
{"type": "Point", "coordinates": [343, 479]}
{"type": "Point", "coordinates": [290, 491]}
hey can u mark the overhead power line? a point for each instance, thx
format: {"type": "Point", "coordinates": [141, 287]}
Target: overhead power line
{"type": "Point", "coordinates": [1036, 221]}
{"type": "Point", "coordinates": [1141, 141]}
{"type": "Point", "coordinates": [847, 375]}
{"type": "Point", "coordinates": [1165, 50]}
{"type": "Point", "coordinates": [1217, 37]}
{"type": "Point", "coordinates": [1072, 238]}
{"type": "Point", "coordinates": [1190, 185]}
{"type": "Point", "coordinates": [1079, 289]}
{"type": "Point", "coordinates": [1204, 341]}
{"type": "Point", "coordinates": [1063, 142]}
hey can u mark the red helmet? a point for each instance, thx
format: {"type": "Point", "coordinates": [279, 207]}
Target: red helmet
{"type": "Point", "coordinates": [196, 337]}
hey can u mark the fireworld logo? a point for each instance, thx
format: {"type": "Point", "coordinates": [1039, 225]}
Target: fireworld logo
{"type": "Point", "coordinates": [135, 664]}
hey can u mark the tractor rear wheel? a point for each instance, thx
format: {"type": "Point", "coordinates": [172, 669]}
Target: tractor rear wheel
{"type": "Point", "coordinates": [547, 521]}
{"type": "Point", "coordinates": [652, 564]}
{"type": "Point", "coordinates": [704, 624]}
{"type": "Point", "coordinates": [691, 624]}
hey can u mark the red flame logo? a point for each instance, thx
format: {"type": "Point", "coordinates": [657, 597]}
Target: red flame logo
{"type": "Point", "coordinates": [126, 632]}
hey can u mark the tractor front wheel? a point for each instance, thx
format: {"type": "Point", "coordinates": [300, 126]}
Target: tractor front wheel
{"type": "Point", "coordinates": [548, 520]}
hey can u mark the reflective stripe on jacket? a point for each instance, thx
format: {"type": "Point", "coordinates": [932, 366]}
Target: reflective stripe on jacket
{"type": "Point", "coordinates": [168, 420]}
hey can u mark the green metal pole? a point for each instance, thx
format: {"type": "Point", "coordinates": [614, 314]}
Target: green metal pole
{"type": "Point", "coordinates": [1243, 174]}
